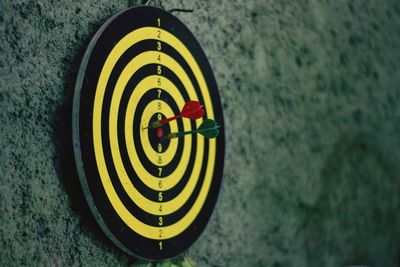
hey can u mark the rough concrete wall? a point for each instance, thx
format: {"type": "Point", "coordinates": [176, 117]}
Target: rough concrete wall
{"type": "Point", "coordinates": [311, 95]}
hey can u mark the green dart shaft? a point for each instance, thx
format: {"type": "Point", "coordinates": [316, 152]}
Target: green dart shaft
{"type": "Point", "coordinates": [208, 133]}
{"type": "Point", "coordinates": [180, 134]}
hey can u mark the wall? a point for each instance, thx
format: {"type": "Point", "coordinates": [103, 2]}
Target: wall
{"type": "Point", "coordinates": [310, 91]}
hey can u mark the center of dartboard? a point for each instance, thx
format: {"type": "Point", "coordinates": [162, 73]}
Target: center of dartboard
{"type": "Point", "coordinates": [156, 136]}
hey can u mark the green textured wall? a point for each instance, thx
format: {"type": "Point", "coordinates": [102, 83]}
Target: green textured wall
{"type": "Point", "coordinates": [311, 95]}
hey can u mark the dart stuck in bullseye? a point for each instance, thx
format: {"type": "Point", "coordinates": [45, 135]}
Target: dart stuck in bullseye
{"type": "Point", "coordinates": [191, 110]}
{"type": "Point", "coordinates": [209, 129]}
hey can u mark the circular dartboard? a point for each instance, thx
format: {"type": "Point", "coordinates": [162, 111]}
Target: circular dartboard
{"type": "Point", "coordinates": [152, 192]}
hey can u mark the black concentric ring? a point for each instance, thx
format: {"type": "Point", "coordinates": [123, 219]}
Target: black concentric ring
{"type": "Point", "coordinates": [111, 33]}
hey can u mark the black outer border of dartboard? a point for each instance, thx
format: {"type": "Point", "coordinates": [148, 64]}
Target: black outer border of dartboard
{"type": "Point", "coordinates": [77, 145]}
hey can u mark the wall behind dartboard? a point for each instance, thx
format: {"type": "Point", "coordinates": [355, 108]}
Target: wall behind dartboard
{"type": "Point", "coordinates": [310, 91]}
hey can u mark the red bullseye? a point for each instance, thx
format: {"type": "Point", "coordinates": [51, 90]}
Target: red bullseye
{"type": "Point", "coordinates": [159, 132]}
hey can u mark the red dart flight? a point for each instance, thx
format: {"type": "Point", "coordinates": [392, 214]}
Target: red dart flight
{"type": "Point", "coordinates": [191, 110]}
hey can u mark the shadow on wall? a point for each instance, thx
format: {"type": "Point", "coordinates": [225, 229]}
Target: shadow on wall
{"type": "Point", "coordinates": [357, 213]}
{"type": "Point", "coordinates": [65, 161]}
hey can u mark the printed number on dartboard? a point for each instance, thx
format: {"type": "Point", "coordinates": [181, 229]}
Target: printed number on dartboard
{"type": "Point", "coordinates": [159, 117]}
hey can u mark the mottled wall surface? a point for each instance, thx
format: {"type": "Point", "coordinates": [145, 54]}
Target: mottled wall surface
{"type": "Point", "coordinates": [311, 95]}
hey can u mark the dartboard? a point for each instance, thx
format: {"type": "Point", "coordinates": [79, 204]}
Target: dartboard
{"type": "Point", "coordinates": [150, 174]}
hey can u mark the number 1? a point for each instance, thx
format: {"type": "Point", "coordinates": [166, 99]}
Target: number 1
{"type": "Point", "coordinates": [158, 22]}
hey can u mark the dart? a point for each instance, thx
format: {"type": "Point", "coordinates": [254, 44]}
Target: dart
{"type": "Point", "coordinates": [209, 129]}
{"type": "Point", "coordinates": [191, 110]}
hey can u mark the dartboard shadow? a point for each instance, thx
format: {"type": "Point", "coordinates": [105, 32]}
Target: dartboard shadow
{"type": "Point", "coordinates": [64, 158]}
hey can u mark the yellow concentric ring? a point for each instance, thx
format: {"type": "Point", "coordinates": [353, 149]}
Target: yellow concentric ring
{"type": "Point", "coordinates": [174, 204]}
{"type": "Point", "coordinates": [131, 221]}
{"type": "Point", "coordinates": [147, 178]}
{"type": "Point", "coordinates": [168, 154]}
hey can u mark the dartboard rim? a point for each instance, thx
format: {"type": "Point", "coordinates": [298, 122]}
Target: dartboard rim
{"type": "Point", "coordinates": [77, 139]}
{"type": "Point", "coordinates": [76, 134]}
